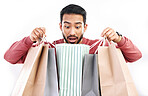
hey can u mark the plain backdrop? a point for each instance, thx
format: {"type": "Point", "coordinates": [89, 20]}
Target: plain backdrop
{"type": "Point", "coordinates": [19, 17]}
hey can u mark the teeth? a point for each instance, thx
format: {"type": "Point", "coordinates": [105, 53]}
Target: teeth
{"type": "Point", "coordinates": [72, 38]}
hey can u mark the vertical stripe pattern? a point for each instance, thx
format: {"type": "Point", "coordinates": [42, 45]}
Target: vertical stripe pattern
{"type": "Point", "coordinates": [70, 59]}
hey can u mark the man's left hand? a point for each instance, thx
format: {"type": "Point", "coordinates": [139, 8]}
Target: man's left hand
{"type": "Point", "coordinates": [111, 35]}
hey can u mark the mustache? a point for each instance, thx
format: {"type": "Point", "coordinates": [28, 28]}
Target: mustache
{"type": "Point", "coordinates": [72, 36]}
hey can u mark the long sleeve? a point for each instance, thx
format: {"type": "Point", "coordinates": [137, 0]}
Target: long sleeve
{"type": "Point", "coordinates": [18, 51]}
{"type": "Point", "coordinates": [130, 51]}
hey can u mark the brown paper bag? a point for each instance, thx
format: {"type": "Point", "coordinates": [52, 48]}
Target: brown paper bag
{"type": "Point", "coordinates": [31, 81]}
{"type": "Point", "coordinates": [115, 78]}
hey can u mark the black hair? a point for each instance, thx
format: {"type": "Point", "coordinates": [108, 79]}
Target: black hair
{"type": "Point", "coordinates": [73, 9]}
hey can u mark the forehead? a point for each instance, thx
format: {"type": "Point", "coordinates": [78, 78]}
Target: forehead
{"type": "Point", "coordinates": [72, 18]}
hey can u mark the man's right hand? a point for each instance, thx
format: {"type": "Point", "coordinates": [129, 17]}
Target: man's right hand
{"type": "Point", "coordinates": [37, 34]}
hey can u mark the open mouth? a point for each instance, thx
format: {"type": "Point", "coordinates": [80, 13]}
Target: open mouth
{"type": "Point", "coordinates": [72, 39]}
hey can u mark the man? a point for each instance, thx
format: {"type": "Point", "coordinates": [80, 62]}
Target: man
{"type": "Point", "coordinates": [73, 26]}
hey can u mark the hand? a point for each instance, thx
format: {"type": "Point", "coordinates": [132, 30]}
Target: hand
{"type": "Point", "coordinates": [37, 34]}
{"type": "Point", "coordinates": [111, 35]}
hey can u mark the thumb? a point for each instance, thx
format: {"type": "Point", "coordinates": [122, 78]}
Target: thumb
{"type": "Point", "coordinates": [44, 29]}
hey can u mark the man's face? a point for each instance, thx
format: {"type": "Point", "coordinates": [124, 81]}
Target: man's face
{"type": "Point", "coordinates": [72, 27]}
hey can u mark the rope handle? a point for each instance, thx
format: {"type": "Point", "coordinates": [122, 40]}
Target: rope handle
{"type": "Point", "coordinates": [101, 41]}
{"type": "Point", "coordinates": [43, 40]}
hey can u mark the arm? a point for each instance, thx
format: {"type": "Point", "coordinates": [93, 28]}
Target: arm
{"type": "Point", "coordinates": [18, 51]}
{"type": "Point", "coordinates": [130, 51]}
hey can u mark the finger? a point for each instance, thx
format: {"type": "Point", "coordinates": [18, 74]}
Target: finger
{"type": "Point", "coordinates": [37, 33]}
{"type": "Point", "coordinates": [34, 35]}
{"type": "Point", "coordinates": [41, 31]}
{"type": "Point", "coordinates": [112, 37]}
{"type": "Point", "coordinates": [34, 38]}
{"type": "Point", "coordinates": [108, 33]}
{"type": "Point", "coordinates": [31, 37]}
{"type": "Point", "coordinates": [104, 31]}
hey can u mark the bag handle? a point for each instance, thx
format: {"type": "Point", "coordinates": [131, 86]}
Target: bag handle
{"type": "Point", "coordinates": [93, 45]}
{"type": "Point", "coordinates": [101, 41]}
{"type": "Point", "coordinates": [105, 39]}
{"type": "Point", "coordinates": [44, 41]}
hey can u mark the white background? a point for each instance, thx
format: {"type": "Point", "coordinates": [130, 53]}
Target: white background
{"type": "Point", "coordinates": [19, 17]}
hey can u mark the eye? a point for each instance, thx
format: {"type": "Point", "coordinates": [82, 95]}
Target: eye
{"type": "Point", "coordinates": [67, 27]}
{"type": "Point", "coordinates": [77, 27]}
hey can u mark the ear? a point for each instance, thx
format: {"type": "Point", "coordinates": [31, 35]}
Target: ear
{"type": "Point", "coordinates": [85, 27]}
{"type": "Point", "coordinates": [60, 25]}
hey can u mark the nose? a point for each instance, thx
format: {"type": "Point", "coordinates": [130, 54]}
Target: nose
{"type": "Point", "coordinates": [72, 31]}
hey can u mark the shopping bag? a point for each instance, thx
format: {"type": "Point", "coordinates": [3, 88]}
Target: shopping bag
{"type": "Point", "coordinates": [31, 81]}
{"type": "Point", "coordinates": [51, 86]}
{"type": "Point", "coordinates": [115, 78]}
{"type": "Point", "coordinates": [70, 60]}
{"type": "Point", "coordinates": [90, 83]}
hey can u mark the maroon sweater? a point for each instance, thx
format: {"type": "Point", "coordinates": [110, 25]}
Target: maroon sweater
{"type": "Point", "coordinates": [18, 50]}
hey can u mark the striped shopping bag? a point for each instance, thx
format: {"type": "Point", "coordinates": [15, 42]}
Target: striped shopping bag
{"type": "Point", "coordinates": [70, 61]}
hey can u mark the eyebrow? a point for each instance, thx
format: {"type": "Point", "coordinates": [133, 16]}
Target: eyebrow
{"type": "Point", "coordinates": [66, 22]}
{"type": "Point", "coordinates": [70, 23]}
{"type": "Point", "coordinates": [78, 23]}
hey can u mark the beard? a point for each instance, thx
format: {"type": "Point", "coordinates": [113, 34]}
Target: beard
{"type": "Point", "coordinates": [73, 36]}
